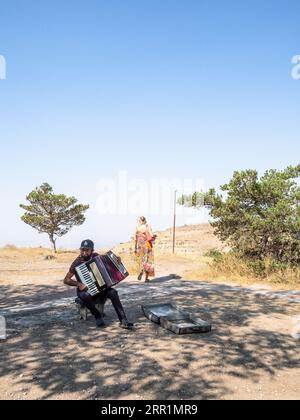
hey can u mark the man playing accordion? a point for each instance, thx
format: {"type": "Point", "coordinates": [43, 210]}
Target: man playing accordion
{"type": "Point", "coordinates": [86, 254]}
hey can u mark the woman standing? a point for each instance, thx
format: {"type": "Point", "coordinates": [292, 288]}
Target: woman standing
{"type": "Point", "coordinates": [144, 240]}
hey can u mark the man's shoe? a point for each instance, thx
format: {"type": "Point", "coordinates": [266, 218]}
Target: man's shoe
{"type": "Point", "coordinates": [125, 324]}
{"type": "Point", "coordinates": [100, 322]}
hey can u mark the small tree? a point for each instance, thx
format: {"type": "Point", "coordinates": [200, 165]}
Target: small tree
{"type": "Point", "coordinates": [54, 214]}
{"type": "Point", "coordinates": [259, 218]}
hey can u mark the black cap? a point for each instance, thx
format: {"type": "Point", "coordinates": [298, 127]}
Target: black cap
{"type": "Point", "coordinates": [87, 244]}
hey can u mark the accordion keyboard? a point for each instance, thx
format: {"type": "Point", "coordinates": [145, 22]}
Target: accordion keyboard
{"type": "Point", "coordinates": [87, 279]}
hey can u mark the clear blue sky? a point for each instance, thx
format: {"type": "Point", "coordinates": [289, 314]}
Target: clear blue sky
{"type": "Point", "coordinates": [160, 89]}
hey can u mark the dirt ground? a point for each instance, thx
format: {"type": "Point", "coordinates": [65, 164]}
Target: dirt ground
{"type": "Point", "coordinates": [251, 353]}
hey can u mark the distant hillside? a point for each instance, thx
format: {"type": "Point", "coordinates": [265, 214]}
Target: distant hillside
{"type": "Point", "coordinates": [190, 239]}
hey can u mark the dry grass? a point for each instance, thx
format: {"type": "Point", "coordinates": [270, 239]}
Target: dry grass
{"type": "Point", "coordinates": [130, 263]}
{"type": "Point", "coordinates": [12, 252]}
{"type": "Point", "coordinates": [233, 269]}
{"type": "Point", "coordinates": [28, 265]}
{"type": "Point", "coordinates": [190, 262]}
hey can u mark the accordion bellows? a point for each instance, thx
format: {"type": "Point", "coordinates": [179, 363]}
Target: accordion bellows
{"type": "Point", "coordinates": [101, 272]}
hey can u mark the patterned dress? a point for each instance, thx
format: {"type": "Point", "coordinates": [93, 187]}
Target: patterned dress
{"type": "Point", "coordinates": [144, 253]}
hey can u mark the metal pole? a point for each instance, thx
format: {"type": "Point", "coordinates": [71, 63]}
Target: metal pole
{"type": "Point", "coordinates": [174, 224]}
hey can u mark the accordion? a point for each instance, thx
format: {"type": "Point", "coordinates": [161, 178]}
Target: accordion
{"type": "Point", "coordinates": [101, 272]}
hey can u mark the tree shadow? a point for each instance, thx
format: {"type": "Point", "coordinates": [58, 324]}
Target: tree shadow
{"type": "Point", "coordinates": [58, 356]}
{"type": "Point", "coordinates": [14, 296]}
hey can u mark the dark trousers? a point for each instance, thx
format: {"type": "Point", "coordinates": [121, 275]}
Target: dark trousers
{"type": "Point", "coordinates": [111, 294]}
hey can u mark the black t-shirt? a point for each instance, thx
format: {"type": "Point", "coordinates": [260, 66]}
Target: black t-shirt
{"type": "Point", "coordinates": [79, 260]}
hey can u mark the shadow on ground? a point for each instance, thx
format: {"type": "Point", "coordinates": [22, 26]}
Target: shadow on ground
{"type": "Point", "coordinates": [165, 278]}
{"type": "Point", "coordinates": [13, 296]}
{"type": "Point", "coordinates": [59, 356]}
